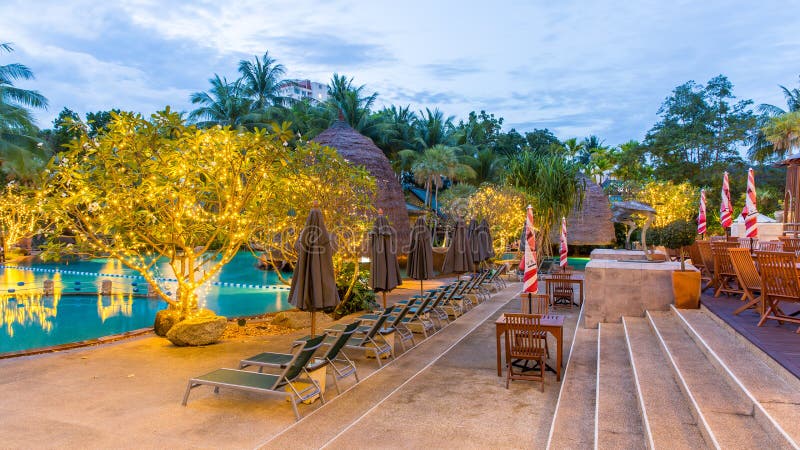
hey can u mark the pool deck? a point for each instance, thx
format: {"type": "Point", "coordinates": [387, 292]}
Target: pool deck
{"type": "Point", "coordinates": [442, 393]}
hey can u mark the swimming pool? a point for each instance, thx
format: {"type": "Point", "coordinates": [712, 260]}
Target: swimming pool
{"type": "Point", "coordinates": [30, 320]}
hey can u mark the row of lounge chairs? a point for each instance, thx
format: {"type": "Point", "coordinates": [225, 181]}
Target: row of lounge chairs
{"type": "Point", "coordinates": [290, 375]}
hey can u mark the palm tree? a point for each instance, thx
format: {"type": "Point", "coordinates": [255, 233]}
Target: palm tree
{"type": "Point", "coordinates": [784, 131]}
{"type": "Point", "coordinates": [17, 126]}
{"type": "Point", "coordinates": [399, 132]}
{"type": "Point", "coordinates": [224, 104]}
{"type": "Point", "coordinates": [261, 81]}
{"type": "Point", "coordinates": [354, 106]}
{"type": "Point", "coordinates": [488, 165]}
{"type": "Point", "coordinates": [573, 147]}
{"type": "Point", "coordinates": [433, 166]}
{"type": "Point", "coordinates": [433, 128]}
{"type": "Point", "coordinates": [761, 148]}
{"type": "Point", "coordinates": [552, 183]}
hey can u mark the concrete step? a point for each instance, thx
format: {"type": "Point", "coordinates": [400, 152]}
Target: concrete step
{"type": "Point", "coordinates": [726, 413]}
{"type": "Point", "coordinates": [618, 422]}
{"type": "Point", "coordinates": [774, 391]}
{"type": "Point", "coordinates": [573, 423]}
{"type": "Point", "coordinates": [667, 416]}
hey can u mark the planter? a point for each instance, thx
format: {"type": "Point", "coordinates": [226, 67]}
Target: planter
{"type": "Point", "coordinates": [686, 288]}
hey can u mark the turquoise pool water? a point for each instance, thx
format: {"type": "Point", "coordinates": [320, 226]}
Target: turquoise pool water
{"type": "Point", "coordinates": [31, 321]}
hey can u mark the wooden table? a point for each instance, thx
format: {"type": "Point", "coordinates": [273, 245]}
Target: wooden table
{"type": "Point", "coordinates": [578, 281]}
{"type": "Point", "coordinates": [551, 324]}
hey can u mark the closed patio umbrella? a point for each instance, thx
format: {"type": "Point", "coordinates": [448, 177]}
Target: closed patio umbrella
{"type": "Point", "coordinates": [474, 238]}
{"type": "Point", "coordinates": [384, 272]}
{"type": "Point", "coordinates": [420, 255]}
{"type": "Point", "coordinates": [487, 244]}
{"type": "Point", "coordinates": [459, 257]}
{"type": "Point", "coordinates": [313, 284]}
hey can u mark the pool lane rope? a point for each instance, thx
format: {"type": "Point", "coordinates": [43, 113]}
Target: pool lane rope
{"type": "Point", "coordinates": [271, 287]}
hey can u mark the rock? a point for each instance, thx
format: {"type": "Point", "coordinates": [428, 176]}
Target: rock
{"type": "Point", "coordinates": [200, 330]}
{"type": "Point", "coordinates": [165, 319]}
{"type": "Point", "coordinates": [301, 319]}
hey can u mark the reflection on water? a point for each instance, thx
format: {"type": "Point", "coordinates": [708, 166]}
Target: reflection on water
{"type": "Point", "coordinates": [114, 305]}
{"type": "Point", "coordinates": [75, 312]}
{"type": "Point", "coordinates": [27, 311]}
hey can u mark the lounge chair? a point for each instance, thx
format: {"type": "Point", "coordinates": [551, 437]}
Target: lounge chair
{"type": "Point", "coordinates": [268, 384]}
{"type": "Point", "coordinates": [341, 366]}
{"type": "Point", "coordinates": [394, 325]}
{"type": "Point", "coordinates": [418, 319]}
{"type": "Point", "coordinates": [372, 340]}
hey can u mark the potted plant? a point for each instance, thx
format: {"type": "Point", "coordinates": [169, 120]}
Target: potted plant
{"type": "Point", "coordinates": [678, 235]}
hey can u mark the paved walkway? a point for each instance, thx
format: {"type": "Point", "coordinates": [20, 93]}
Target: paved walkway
{"type": "Point", "coordinates": [443, 393]}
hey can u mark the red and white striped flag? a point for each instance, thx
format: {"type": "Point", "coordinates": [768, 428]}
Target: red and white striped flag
{"type": "Point", "coordinates": [530, 277]}
{"type": "Point", "coordinates": [563, 243]}
{"type": "Point", "coordinates": [701, 217]}
{"type": "Point", "coordinates": [725, 209]}
{"type": "Point", "coordinates": [750, 219]}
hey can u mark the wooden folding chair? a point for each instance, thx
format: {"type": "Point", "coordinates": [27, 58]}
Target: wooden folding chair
{"type": "Point", "coordinates": [697, 261]}
{"type": "Point", "coordinates": [704, 248]}
{"type": "Point", "coordinates": [790, 244]}
{"type": "Point", "coordinates": [747, 276]}
{"type": "Point", "coordinates": [561, 288]}
{"type": "Point", "coordinates": [723, 269]}
{"type": "Point", "coordinates": [749, 243]}
{"type": "Point", "coordinates": [779, 284]}
{"type": "Point", "coordinates": [537, 304]}
{"type": "Point", "coordinates": [770, 246]}
{"type": "Point", "coordinates": [523, 342]}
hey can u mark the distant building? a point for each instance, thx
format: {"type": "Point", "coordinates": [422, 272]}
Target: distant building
{"type": "Point", "coordinates": [304, 89]}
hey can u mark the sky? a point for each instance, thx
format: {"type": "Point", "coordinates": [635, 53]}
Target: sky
{"type": "Point", "coordinates": [577, 68]}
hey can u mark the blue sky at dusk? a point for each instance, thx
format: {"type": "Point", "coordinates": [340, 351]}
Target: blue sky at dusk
{"type": "Point", "coordinates": [577, 68]}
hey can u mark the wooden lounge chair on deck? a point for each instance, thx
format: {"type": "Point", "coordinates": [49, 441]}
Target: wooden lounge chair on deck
{"type": "Point", "coordinates": [779, 284]}
{"type": "Point", "coordinates": [747, 276]}
{"type": "Point", "coordinates": [704, 248]}
{"type": "Point", "coordinates": [269, 384]}
{"type": "Point", "coordinates": [697, 261]}
{"type": "Point", "coordinates": [723, 269]}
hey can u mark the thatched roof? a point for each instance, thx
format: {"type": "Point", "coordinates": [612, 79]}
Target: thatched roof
{"type": "Point", "coordinates": [360, 150]}
{"type": "Point", "coordinates": [591, 225]}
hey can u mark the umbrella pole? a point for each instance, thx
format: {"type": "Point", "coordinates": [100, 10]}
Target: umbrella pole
{"type": "Point", "coordinates": [420, 287]}
{"type": "Point", "coordinates": [384, 299]}
{"type": "Point", "coordinates": [313, 322]}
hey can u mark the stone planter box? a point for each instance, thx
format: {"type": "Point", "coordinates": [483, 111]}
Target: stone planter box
{"type": "Point", "coordinates": [615, 289]}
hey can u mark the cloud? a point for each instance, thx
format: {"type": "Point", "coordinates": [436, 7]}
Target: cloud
{"type": "Point", "coordinates": [451, 69]}
{"type": "Point", "coordinates": [426, 97]}
{"type": "Point", "coordinates": [333, 52]}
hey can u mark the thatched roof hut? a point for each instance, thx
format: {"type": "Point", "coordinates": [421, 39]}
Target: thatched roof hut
{"type": "Point", "coordinates": [590, 225]}
{"type": "Point", "coordinates": [360, 150]}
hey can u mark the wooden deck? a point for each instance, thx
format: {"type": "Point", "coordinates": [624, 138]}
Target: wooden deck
{"type": "Point", "coordinates": [778, 341]}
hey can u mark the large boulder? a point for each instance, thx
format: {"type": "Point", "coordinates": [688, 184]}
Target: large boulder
{"type": "Point", "coordinates": [165, 320]}
{"type": "Point", "coordinates": [201, 330]}
{"type": "Point", "coordinates": [301, 319]}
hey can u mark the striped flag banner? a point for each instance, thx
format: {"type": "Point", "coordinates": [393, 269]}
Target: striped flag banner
{"type": "Point", "coordinates": [725, 209]}
{"type": "Point", "coordinates": [530, 277]}
{"type": "Point", "coordinates": [701, 217]}
{"type": "Point", "coordinates": [563, 244]}
{"type": "Point", "coordinates": [750, 219]}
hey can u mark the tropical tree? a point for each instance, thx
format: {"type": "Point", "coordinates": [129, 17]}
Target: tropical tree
{"type": "Point", "coordinates": [433, 166]}
{"type": "Point", "coordinates": [354, 105]}
{"type": "Point", "coordinates": [488, 165]}
{"type": "Point", "coordinates": [783, 132]}
{"type": "Point", "coordinates": [224, 104]}
{"type": "Point", "coordinates": [22, 214]}
{"type": "Point", "coordinates": [155, 190]}
{"type": "Point", "coordinates": [316, 175]}
{"type": "Point", "coordinates": [433, 128]}
{"type": "Point", "coordinates": [17, 126]}
{"type": "Point", "coordinates": [672, 201]}
{"type": "Point", "coordinates": [503, 207]}
{"type": "Point", "coordinates": [699, 133]}
{"type": "Point", "coordinates": [552, 184]}
{"type": "Point", "coordinates": [399, 132]}
{"type": "Point", "coordinates": [762, 149]}
{"type": "Point", "coordinates": [261, 81]}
